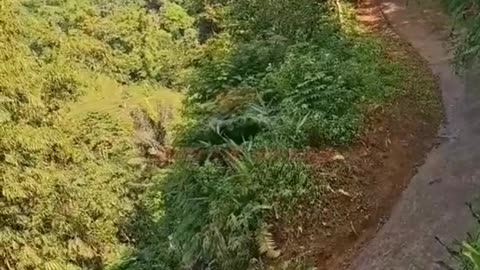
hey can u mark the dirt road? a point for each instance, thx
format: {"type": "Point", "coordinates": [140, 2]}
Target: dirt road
{"type": "Point", "coordinates": [434, 202]}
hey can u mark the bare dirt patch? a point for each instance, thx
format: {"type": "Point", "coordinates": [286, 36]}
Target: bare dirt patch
{"type": "Point", "coordinates": [365, 180]}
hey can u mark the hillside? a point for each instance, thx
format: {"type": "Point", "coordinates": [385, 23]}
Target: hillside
{"type": "Point", "coordinates": [188, 134]}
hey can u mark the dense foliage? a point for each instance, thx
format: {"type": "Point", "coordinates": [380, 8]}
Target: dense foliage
{"type": "Point", "coordinates": [65, 182]}
{"type": "Point", "coordinates": [276, 76]}
{"type": "Point", "coordinates": [259, 76]}
{"type": "Point", "coordinates": [212, 214]}
{"type": "Point", "coordinates": [266, 79]}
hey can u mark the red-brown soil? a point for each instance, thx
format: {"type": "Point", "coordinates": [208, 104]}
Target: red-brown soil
{"type": "Point", "coordinates": [364, 181]}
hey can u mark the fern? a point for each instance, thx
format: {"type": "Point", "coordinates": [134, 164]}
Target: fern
{"type": "Point", "coordinates": [266, 244]}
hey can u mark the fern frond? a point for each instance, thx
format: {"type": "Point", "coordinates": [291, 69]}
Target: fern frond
{"type": "Point", "coordinates": [266, 243]}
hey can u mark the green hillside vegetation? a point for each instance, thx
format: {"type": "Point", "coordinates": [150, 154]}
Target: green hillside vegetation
{"type": "Point", "coordinates": [266, 81]}
{"type": "Point", "coordinates": [71, 73]}
{"type": "Point", "coordinates": [90, 98]}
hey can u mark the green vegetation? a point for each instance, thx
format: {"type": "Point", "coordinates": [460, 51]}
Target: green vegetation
{"type": "Point", "coordinates": [67, 69]}
{"type": "Point", "coordinates": [467, 253]}
{"type": "Point", "coordinates": [212, 214]}
{"type": "Point", "coordinates": [469, 256]}
{"type": "Point", "coordinates": [266, 82]}
{"type": "Point", "coordinates": [89, 98]}
{"type": "Point", "coordinates": [466, 17]}
{"type": "Point", "coordinates": [306, 85]}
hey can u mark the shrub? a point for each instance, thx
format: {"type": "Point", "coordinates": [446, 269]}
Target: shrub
{"type": "Point", "coordinates": [213, 214]}
{"type": "Point", "coordinates": [310, 94]}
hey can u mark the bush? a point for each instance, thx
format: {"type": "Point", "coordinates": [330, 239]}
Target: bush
{"type": "Point", "coordinates": [214, 214]}
{"type": "Point", "coordinates": [310, 94]}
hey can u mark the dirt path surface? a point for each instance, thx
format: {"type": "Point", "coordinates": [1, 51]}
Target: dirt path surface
{"type": "Point", "coordinates": [434, 202]}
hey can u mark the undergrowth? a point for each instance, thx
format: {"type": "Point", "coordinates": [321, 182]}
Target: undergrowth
{"type": "Point", "coordinates": [89, 92]}
{"type": "Point", "coordinates": [68, 70]}
{"type": "Point", "coordinates": [215, 213]}
{"type": "Point", "coordinates": [265, 82]}
{"type": "Point", "coordinates": [300, 94]}
{"type": "Point", "coordinates": [466, 19]}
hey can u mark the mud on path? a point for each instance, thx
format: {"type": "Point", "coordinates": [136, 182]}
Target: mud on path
{"type": "Point", "coordinates": [369, 177]}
